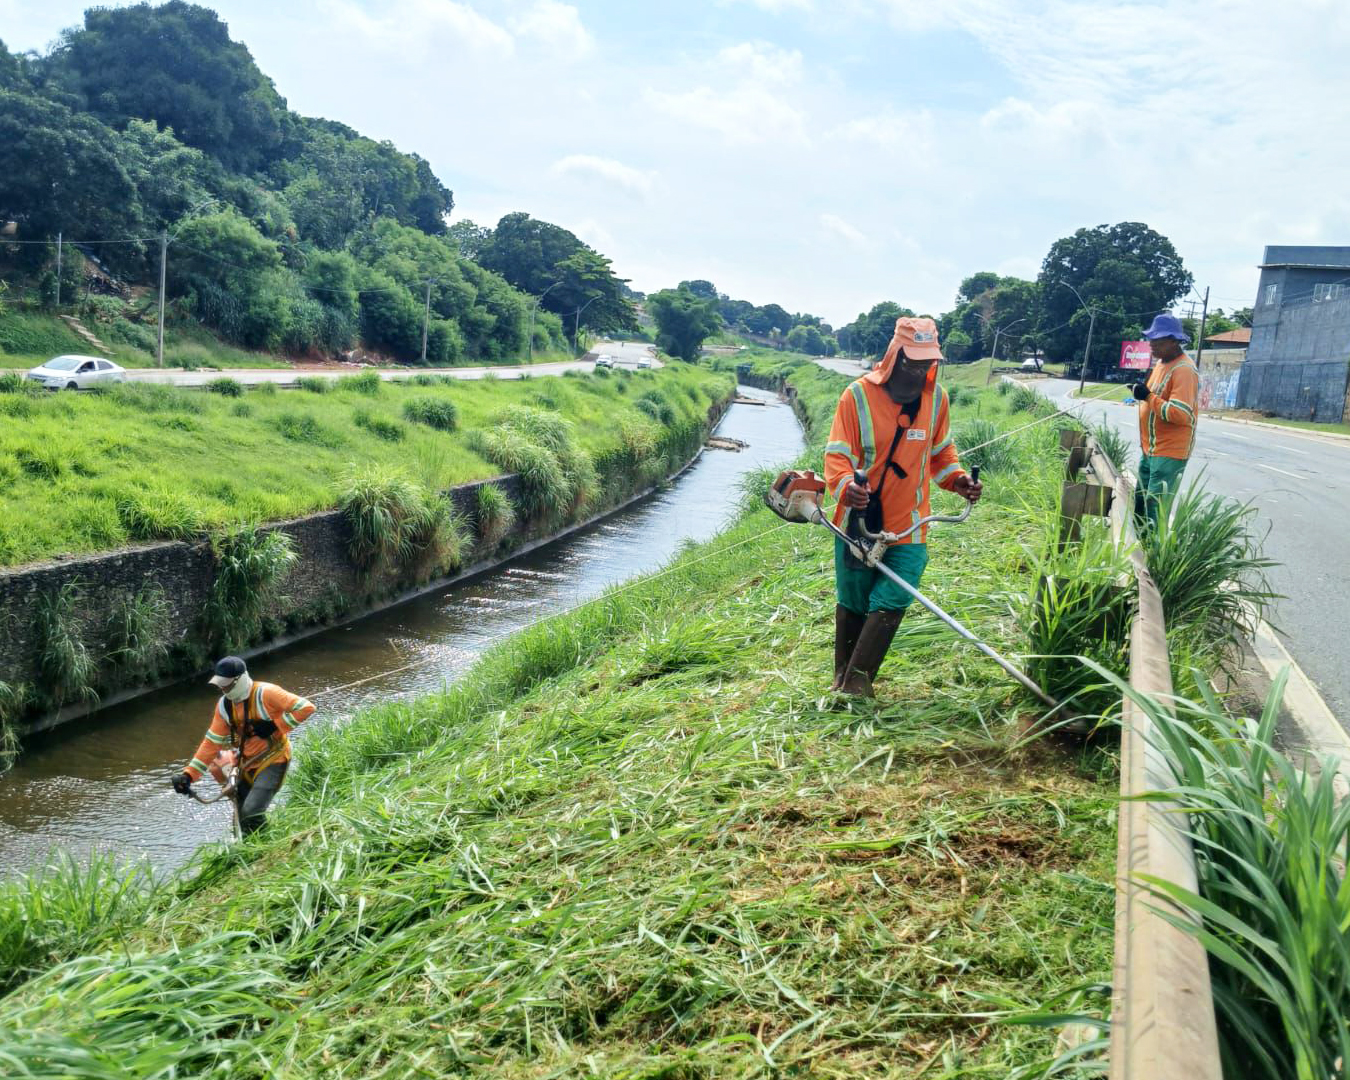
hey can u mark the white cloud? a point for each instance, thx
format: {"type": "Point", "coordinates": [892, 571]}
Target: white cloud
{"type": "Point", "coordinates": [777, 7]}
{"type": "Point", "coordinates": [607, 169]}
{"type": "Point", "coordinates": [557, 26]}
{"type": "Point", "coordinates": [750, 101]}
{"type": "Point", "coordinates": [836, 226]}
{"type": "Point", "coordinates": [419, 26]}
{"type": "Point", "coordinates": [913, 133]}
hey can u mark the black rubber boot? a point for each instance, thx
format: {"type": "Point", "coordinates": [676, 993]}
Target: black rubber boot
{"type": "Point", "coordinates": [875, 638]}
{"type": "Point", "coordinates": [847, 626]}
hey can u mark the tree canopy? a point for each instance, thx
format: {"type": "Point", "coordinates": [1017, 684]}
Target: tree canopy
{"type": "Point", "coordinates": [288, 233]}
{"type": "Point", "coordinates": [684, 321]}
{"type": "Point", "coordinates": [546, 260]}
{"type": "Point", "coordinates": [174, 64]}
{"type": "Point", "coordinates": [1126, 272]}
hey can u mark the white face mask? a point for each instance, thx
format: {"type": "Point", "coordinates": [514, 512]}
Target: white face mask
{"type": "Point", "coordinates": [240, 690]}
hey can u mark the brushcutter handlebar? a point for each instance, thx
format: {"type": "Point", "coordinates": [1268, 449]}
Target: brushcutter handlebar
{"type": "Point", "coordinates": [227, 789]}
{"type": "Point", "coordinates": [945, 519]}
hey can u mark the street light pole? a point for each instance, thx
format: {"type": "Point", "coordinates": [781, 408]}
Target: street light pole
{"type": "Point", "coordinates": [164, 240]}
{"type": "Point", "coordinates": [535, 307]}
{"type": "Point", "coordinates": [163, 274]}
{"type": "Point", "coordinates": [426, 320]}
{"type": "Point", "coordinates": [1092, 321]}
{"type": "Point", "coordinates": [993, 354]}
{"type": "Point", "coordinates": [576, 326]}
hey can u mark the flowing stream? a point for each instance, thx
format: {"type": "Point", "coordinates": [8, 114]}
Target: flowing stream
{"type": "Point", "coordinates": [102, 784]}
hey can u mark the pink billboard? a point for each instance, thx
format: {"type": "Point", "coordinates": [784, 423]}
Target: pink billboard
{"type": "Point", "coordinates": [1136, 355]}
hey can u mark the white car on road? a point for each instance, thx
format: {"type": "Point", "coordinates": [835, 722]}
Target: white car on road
{"type": "Point", "coordinates": [604, 360]}
{"type": "Point", "coordinates": [644, 362]}
{"type": "Point", "coordinates": [77, 373]}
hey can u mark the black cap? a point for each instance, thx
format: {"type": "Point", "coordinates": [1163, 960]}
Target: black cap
{"type": "Point", "coordinates": [228, 668]}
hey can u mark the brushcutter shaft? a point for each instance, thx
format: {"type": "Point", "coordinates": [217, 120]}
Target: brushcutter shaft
{"type": "Point", "coordinates": [861, 551]}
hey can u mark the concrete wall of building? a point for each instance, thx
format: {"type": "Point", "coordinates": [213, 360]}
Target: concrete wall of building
{"type": "Point", "coordinates": [1299, 357]}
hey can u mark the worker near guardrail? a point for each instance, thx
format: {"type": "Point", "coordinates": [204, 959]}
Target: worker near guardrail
{"type": "Point", "coordinates": [893, 425]}
{"type": "Point", "coordinates": [252, 719]}
{"type": "Point", "coordinates": [1167, 414]}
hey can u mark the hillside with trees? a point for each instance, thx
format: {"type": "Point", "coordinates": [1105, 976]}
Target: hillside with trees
{"type": "Point", "coordinates": [285, 233]}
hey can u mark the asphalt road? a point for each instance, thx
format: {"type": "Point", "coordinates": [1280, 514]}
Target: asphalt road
{"type": "Point", "coordinates": [1300, 486]}
{"type": "Point", "coordinates": [626, 354]}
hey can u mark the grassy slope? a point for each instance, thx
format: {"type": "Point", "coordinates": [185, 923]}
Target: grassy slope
{"type": "Point", "coordinates": [37, 337]}
{"type": "Point", "coordinates": [636, 841]}
{"type": "Point", "coordinates": [225, 466]}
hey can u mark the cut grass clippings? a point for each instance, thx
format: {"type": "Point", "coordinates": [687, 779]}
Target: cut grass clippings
{"type": "Point", "coordinates": [640, 840]}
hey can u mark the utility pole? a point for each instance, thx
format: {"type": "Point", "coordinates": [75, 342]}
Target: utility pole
{"type": "Point", "coordinates": [1082, 377]}
{"type": "Point", "coordinates": [163, 274]}
{"type": "Point", "coordinates": [535, 307]}
{"type": "Point", "coordinates": [1200, 337]}
{"type": "Point", "coordinates": [58, 271]}
{"type": "Point", "coordinates": [426, 320]}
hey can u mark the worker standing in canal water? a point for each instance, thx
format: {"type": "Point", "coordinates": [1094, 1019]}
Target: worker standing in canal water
{"type": "Point", "coordinates": [891, 424]}
{"type": "Point", "coordinates": [251, 725]}
{"type": "Point", "coordinates": [1167, 409]}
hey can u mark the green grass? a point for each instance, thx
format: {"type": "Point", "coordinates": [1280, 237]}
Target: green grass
{"type": "Point", "coordinates": [1302, 425]}
{"type": "Point", "coordinates": [1273, 899]}
{"type": "Point", "coordinates": [83, 473]}
{"type": "Point", "coordinates": [639, 840]}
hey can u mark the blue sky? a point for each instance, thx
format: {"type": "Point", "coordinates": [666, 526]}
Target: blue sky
{"type": "Point", "coordinates": [828, 155]}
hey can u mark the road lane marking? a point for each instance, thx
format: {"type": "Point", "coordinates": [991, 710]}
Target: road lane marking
{"type": "Point", "coordinates": [1232, 435]}
{"type": "Point", "coordinates": [1286, 472]}
{"type": "Point", "coordinates": [1291, 450]}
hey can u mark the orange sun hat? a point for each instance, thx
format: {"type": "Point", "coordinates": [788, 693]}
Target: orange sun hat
{"type": "Point", "coordinates": [917, 336]}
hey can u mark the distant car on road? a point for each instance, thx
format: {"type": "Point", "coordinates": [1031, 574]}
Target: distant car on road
{"type": "Point", "coordinates": [77, 373]}
{"type": "Point", "coordinates": [604, 360]}
{"type": "Point", "coordinates": [644, 361]}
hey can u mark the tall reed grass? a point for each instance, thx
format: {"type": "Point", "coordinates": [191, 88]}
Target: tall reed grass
{"type": "Point", "coordinates": [137, 634]}
{"type": "Point", "coordinates": [1272, 908]}
{"type": "Point", "coordinates": [251, 564]}
{"type": "Point", "coordinates": [1211, 572]}
{"type": "Point", "coordinates": [68, 668]}
{"type": "Point", "coordinates": [496, 516]}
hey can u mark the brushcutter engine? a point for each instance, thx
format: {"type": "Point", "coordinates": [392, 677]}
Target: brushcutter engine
{"type": "Point", "coordinates": [795, 496]}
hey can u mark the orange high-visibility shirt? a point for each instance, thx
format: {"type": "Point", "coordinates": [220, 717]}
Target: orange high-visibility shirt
{"type": "Point", "coordinates": [265, 702]}
{"type": "Point", "coordinates": [864, 425]}
{"type": "Point", "coordinates": [1167, 418]}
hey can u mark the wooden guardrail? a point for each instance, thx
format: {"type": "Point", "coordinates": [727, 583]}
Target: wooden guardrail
{"type": "Point", "coordinates": [1162, 1007]}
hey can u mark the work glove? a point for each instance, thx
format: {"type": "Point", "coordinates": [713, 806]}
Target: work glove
{"type": "Point", "coordinates": [182, 783]}
{"type": "Point", "coordinates": [264, 729]}
{"type": "Point", "coordinates": [1141, 391]}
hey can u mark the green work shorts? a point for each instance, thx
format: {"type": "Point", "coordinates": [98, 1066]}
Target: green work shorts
{"type": "Point", "coordinates": [866, 589]}
{"type": "Point", "coordinates": [1159, 480]}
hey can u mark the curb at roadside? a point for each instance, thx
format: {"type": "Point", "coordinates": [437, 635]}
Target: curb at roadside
{"type": "Point", "coordinates": [1326, 737]}
{"type": "Point", "coordinates": [1333, 436]}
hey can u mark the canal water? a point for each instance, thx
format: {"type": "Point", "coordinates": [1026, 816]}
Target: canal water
{"type": "Point", "coordinates": [102, 784]}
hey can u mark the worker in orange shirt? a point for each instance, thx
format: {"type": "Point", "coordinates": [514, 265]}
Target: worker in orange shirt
{"type": "Point", "coordinates": [250, 726]}
{"type": "Point", "coordinates": [1167, 413]}
{"type": "Point", "coordinates": [893, 425]}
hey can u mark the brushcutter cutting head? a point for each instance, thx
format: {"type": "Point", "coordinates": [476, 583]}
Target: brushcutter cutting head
{"type": "Point", "coordinates": [795, 495]}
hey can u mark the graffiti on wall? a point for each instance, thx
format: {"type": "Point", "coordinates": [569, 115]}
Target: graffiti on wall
{"type": "Point", "coordinates": [1219, 387]}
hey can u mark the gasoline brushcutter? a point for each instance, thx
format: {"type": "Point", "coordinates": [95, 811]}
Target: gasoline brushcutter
{"type": "Point", "coordinates": [229, 789]}
{"type": "Point", "coordinates": [795, 496]}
